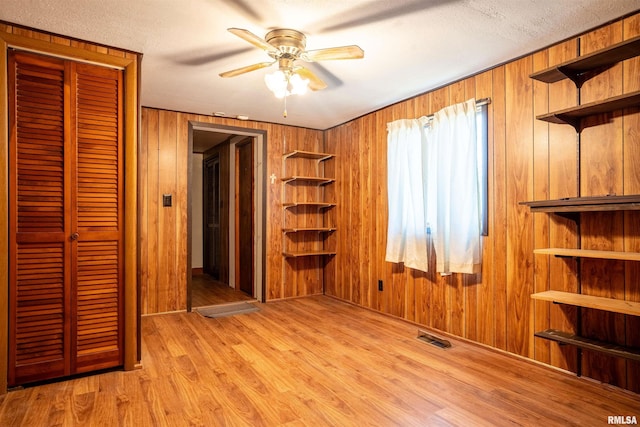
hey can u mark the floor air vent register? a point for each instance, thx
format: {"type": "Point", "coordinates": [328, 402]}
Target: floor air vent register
{"type": "Point", "coordinates": [433, 340]}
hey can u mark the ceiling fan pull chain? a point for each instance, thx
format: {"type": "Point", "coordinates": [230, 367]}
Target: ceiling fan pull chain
{"type": "Point", "coordinates": [284, 113]}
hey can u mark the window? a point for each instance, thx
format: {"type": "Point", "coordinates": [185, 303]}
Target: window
{"type": "Point", "coordinates": [437, 180]}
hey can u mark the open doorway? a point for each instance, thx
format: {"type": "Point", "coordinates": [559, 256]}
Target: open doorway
{"type": "Point", "coordinates": [226, 217]}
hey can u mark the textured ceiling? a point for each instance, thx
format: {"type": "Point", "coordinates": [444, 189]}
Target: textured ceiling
{"type": "Point", "coordinates": [411, 46]}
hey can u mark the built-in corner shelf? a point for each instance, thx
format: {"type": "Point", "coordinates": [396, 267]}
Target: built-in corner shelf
{"type": "Point", "coordinates": [587, 66]}
{"type": "Point", "coordinates": [310, 179]}
{"type": "Point", "coordinates": [308, 155]}
{"type": "Point", "coordinates": [590, 301]}
{"type": "Point", "coordinates": [585, 204]}
{"type": "Point", "coordinates": [313, 207]}
{"type": "Point", "coordinates": [588, 253]}
{"type": "Point", "coordinates": [319, 205]}
{"type": "Point", "coordinates": [308, 229]}
{"type": "Point", "coordinates": [577, 116]}
{"type": "Point", "coordinates": [288, 254]}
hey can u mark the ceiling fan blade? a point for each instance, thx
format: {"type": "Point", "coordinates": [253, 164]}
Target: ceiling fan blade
{"type": "Point", "coordinates": [242, 70]}
{"type": "Point", "coordinates": [343, 52]}
{"type": "Point", "coordinates": [245, 8]}
{"type": "Point", "coordinates": [252, 38]}
{"type": "Point", "coordinates": [314, 81]}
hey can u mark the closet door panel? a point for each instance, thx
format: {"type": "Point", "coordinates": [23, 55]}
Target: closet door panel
{"type": "Point", "coordinates": [39, 223]}
{"type": "Point", "coordinates": [99, 270]}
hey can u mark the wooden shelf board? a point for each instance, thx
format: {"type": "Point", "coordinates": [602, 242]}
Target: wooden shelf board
{"type": "Point", "coordinates": [590, 301]}
{"type": "Point", "coordinates": [589, 344]}
{"type": "Point", "coordinates": [320, 205]}
{"type": "Point", "coordinates": [301, 229]}
{"type": "Point", "coordinates": [307, 253]}
{"type": "Point", "coordinates": [584, 204]}
{"type": "Point", "coordinates": [308, 155]}
{"type": "Point", "coordinates": [574, 116]}
{"type": "Point", "coordinates": [314, 179]}
{"type": "Point", "coordinates": [575, 68]}
{"type": "Point", "coordinates": [588, 253]}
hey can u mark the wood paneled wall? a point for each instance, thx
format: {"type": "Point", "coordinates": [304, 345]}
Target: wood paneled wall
{"type": "Point", "coordinates": [163, 169]}
{"type": "Point", "coordinates": [528, 160]}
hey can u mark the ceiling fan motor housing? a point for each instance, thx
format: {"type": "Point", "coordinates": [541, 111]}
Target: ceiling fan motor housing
{"type": "Point", "coordinates": [290, 43]}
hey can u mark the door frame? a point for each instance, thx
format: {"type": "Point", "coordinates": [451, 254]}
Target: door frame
{"type": "Point", "coordinates": [260, 217]}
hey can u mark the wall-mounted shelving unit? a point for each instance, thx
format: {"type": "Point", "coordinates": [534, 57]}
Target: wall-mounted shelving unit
{"type": "Point", "coordinates": [589, 344]}
{"type": "Point", "coordinates": [573, 208]}
{"type": "Point", "coordinates": [585, 67]}
{"type": "Point", "coordinates": [316, 206]}
{"type": "Point", "coordinates": [579, 115]}
{"type": "Point", "coordinates": [580, 70]}
{"type": "Point", "coordinates": [586, 204]}
{"type": "Point", "coordinates": [588, 253]}
{"type": "Point", "coordinates": [593, 302]}
{"type": "Point", "coordinates": [590, 301]}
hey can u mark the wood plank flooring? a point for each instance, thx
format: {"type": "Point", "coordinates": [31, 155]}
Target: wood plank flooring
{"type": "Point", "coordinates": [314, 361]}
{"type": "Point", "coordinates": [207, 291]}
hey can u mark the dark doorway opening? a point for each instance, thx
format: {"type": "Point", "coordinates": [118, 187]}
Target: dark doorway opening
{"type": "Point", "coordinates": [226, 216]}
{"type": "Point", "coordinates": [212, 205]}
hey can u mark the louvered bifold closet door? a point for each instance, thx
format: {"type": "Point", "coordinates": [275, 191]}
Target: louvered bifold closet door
{"type": "Point", "coordinates": [98, 182]}
{"type": "Point", "coordinates": [39, 345]}
{"type": "Point", "coordinates": [65, 218]}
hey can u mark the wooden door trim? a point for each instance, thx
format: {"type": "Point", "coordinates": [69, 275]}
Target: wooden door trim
{"type": "Point", "coordinates": [237, 146]}
{"type": "Point", "coordinates": [260, 138]}
{"type": "Point", "coordinates": [130, 64]}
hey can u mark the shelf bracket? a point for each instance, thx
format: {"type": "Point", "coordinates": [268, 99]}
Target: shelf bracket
{"type": "Point", "coordinates": [578, 78]}
{"type": "Point", "coordinates": [566, 256]}
{"type": "Point", "coordinates": [575, 122]}
{"type": "Point", "coordinates": [572, 216]}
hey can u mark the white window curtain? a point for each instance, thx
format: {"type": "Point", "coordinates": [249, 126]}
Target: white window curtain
{"type": "Point", "coordinates": [406, 231]}
{"type": "Point", "coordinates": [453, 193]}
{"type": "Point", "coordinates": [433, 183]}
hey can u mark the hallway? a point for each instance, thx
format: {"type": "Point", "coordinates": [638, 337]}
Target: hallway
{"type": "Point", "coordinates": [207, 291]}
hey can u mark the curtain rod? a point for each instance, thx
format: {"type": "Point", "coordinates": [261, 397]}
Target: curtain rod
{"type": "Point", "coordinates": [479, 103]}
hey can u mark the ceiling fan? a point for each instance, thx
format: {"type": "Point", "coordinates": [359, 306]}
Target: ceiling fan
{"type": "Point", "coordinates": [286, 46]}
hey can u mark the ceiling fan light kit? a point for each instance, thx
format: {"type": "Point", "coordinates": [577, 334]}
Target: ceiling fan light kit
{"type": "Point", "coordinates": [286, 46]}
{"type": "Point", "coordinates": [284, 83]}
